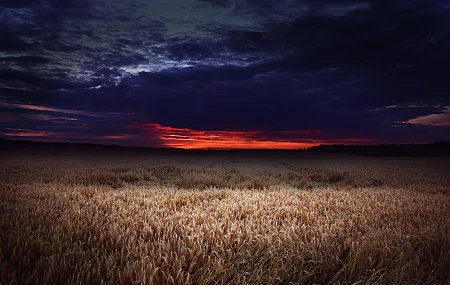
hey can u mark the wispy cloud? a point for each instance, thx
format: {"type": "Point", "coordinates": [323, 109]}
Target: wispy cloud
{"type": "Point", "coordinates": [11, 117]}
{"type": "Point", "coordinates": [27, 133]}
{"type": "Point", "coordinates": [201, 139]}
{"type": "Point", "coordinates": [59, 110]}
{"type": "Point", "coordinates": [187, 138]}
{"type": "Point", "coordinates": [434, 120]}
{"type": "Point", "coordinates": [407, 105]}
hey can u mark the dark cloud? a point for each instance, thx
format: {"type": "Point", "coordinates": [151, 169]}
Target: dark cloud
{"type": "Point", "coordinates": [332, 66]}
{"type": "Point", "coordinates": [25, 59]}
{"type": "Point", "coordinates": [18, 3]}
{"type": "Point", "coordinates": [223, 3]}
{"type": "Point", "coordinates": [40, 82]}
{"type": "Point", "coordinates": [107, 72]}
{"type": "Point", "coordinates": [246, 41]}
{"type": "Point", "coordinates": [188, 50]}
{"type": "Point", "coordinates": [11, 41]}
{"type": "Point", "coordinates": [68, 3]}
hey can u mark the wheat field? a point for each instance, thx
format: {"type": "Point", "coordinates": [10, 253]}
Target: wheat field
{"type": "Point", "coordinates": [75, 216]}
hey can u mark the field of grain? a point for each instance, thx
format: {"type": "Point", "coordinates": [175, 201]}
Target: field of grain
{"type": "Point", "coordinates": [121, 216]}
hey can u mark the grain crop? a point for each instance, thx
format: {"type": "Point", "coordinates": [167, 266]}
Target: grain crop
{"type": "Point", "coordinates": [149, 218]}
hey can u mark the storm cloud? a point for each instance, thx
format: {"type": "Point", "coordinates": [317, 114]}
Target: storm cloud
{"type": "Point", "coordinates": [361, 71]}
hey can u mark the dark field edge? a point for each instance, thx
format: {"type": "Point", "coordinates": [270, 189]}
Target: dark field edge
{"type": "Point", "coordinates": [435, 149]}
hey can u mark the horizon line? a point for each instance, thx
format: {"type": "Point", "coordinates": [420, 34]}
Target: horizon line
{"type": "Point", "coordinates": [219, 149]}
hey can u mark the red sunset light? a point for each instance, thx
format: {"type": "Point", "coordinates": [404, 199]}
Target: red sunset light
{"type": "Point", "coordinates": [196, 139]}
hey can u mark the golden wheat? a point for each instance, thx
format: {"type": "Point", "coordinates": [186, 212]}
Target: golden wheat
{"type": "Point", "coordinates": [190, 220]}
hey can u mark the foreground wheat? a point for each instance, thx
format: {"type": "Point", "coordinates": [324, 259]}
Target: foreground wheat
{"type": "Point", "coordinates": [56, 234]}
{"type": "Point", "coordinates": [347, 221]}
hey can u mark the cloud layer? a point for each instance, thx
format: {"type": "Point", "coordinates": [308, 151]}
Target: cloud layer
{"type": "Point", "coordinates": [367, 71]}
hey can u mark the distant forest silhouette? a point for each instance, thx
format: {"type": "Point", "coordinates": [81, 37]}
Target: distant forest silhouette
{"type": "Point", "coordinates": [430, 149]}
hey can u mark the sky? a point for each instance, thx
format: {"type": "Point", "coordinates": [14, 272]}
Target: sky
{"type": "Point", "coordinates": [282, 74]}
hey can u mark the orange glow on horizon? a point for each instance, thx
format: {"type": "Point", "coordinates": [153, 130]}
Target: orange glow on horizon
{"type": "Point", "coordinates": [37, 134]}
{"type": "Point", "coordinates": [157, 135]}
{"type": "Point", "coordinates": [196, 139]}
